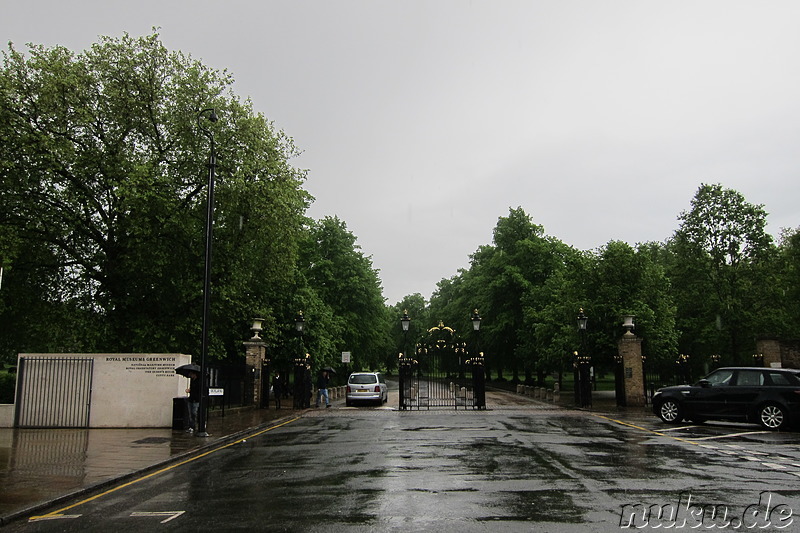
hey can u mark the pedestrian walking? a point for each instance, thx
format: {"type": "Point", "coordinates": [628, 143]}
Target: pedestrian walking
{"type": "Point", "coordinates": [322, 388]}
{"type": "Point", "coordinates": [194, 400]}
{"type": "Point", "coordinates": [277, 388]}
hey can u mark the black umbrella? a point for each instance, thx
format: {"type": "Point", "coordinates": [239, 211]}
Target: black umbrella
{"type": "Point", "coordinates": [329, 370]}
{"type": "Point", "coordinates": [185, 370]}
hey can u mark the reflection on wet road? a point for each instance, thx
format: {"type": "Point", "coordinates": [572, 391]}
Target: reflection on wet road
{"type": "Point", "coordinates": [519, 468]}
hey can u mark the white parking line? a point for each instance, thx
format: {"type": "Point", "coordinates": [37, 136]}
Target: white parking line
{"type": "Point", "coordinates": [728, 435]}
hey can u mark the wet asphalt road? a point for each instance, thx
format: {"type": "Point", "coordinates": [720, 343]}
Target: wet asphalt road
{"type": "Point", "coordinates": [517, 468]}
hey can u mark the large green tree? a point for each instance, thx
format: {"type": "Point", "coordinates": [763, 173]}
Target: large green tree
{"type": "Point", "coordinates": [344, 280]}
{"type": "Point", "coordinates": [630, 280]}
{"type": "Point", "coordinates": [722, 260]}
{"type": "Point", "coordinates": [103, 200]}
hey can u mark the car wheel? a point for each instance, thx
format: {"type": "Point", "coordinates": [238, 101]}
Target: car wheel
{"type": "Point", "coordinates": [670, 412]}
{"type": "Point", "coordinates": [772, 416]}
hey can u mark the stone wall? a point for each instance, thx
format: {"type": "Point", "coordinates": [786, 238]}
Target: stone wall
{"type": "Point", "coordinates": [776, 352]}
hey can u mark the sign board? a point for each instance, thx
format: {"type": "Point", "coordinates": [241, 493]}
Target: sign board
{"type": "Point", "coordinates": [216, 392]}
{"type": "Point", "coordinates": [345, 357]}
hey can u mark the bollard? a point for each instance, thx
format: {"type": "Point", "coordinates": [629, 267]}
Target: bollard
{"type": "Point", "coordinates": [537, 392]}
{"type": "Point", "coordinates": [556, 394]}
{"type": "Point", "coordinates": [520, 388]}
{"type": "Point", "coordinates": [549, 395]}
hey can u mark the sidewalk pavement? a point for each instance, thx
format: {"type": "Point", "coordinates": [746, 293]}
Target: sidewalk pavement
{"type": "Point", "coordinates": [42, 467]}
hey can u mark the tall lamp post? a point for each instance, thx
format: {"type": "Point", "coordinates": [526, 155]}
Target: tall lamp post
{"type": "Point", "coordinates": [476, 327]}
{"type": "Point", "coordinates": [212, 165]}
{"type": "Point", "coordinates": [405, 322]}
{"type": "Point", "coordinates": [404, 361]}
{"type": "Point", "coordinates": [478, 366]}
{"type": "Point", "coordinates": [299, 363]}
{"type": "Point", "coordinates": [583, 363]}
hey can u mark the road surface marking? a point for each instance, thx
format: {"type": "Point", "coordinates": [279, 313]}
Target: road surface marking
{"type": "Point", "coordinates": [732, 435]}
{"type": "Point", "coordinates": [53, 517]}
{"type": "Point", "coordinates": [738, 451]}
{"type": "Point", "coordinates": [171, 514]}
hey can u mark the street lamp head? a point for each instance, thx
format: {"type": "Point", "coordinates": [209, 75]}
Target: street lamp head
{"type": "Point", "coordinates": [210, 112]}
{"type": "Point", "coordinates": [405, 320]}
{"type": "Point", "coordinates": [582, 320]}
{"type": "Point", "coordinates": [300, 322]}
{"type": "Point", "coordinates": [212, 117]}
{"type": "Point", "coordinates": [476, 320]}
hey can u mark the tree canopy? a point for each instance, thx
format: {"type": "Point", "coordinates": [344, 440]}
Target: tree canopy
{"type": "Point", "coordinates": [102, 212]}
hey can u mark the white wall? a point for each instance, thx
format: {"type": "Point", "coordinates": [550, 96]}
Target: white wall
{"type": "Point", "coordinates": [131, 390]}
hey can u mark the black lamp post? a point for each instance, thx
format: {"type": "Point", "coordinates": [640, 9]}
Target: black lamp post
{"type": "Point", "coordinates": [405, 322]}
{"type": "Point", "coordinates": [583, 362]}
{"type": "Point", "coordinates": [478, 366]}
{"type": "Point", "coordinates": [404, 361]}
{"type": "Point", "coordinates": [476, 327]}
{"type": "Point", "coordinates": [298, 399]}
{"type": "Point", "coordinates": [212, 165]}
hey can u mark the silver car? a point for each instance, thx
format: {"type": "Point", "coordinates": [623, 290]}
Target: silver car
{"type": "Point", "coordinates": [366, 387]}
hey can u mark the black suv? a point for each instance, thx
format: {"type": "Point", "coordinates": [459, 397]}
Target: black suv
{"type": "Point", "coordinates": [767, 396]}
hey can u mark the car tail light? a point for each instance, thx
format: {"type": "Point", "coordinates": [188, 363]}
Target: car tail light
{"type": "Point", "coordinates": [377, 388]}
{"type": "Point", "coordinates": [348, 388]}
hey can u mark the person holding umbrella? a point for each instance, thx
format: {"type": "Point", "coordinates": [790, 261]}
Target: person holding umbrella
{"type": "Point", "coordinates": [194, 400]}
{"type": "Point", "coordinates": [194, 390]}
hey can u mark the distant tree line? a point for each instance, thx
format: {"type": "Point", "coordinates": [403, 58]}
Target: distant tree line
{"type": "Point", "coordinates": [716, 286]}
{"type": "Point", "coordinates": [102, 212]}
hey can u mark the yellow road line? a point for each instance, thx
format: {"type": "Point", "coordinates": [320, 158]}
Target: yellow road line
{"type": "Point", "coordinates": [166, 469]}
{"type": "Point", "coordinates": [646, 430]}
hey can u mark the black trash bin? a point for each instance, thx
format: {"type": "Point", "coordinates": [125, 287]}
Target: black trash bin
{"type": "Point", "coordinates": [180, 413]}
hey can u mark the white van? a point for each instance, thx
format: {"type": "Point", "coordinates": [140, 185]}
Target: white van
{"type": "Point", "coordinates": [366, 387]}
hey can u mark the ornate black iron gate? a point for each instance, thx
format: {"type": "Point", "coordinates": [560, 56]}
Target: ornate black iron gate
{"type": "Point", "coordinates": [436, 377]}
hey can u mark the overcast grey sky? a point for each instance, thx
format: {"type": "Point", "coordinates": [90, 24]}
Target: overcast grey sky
{"type": "Point", "coordinates": [422, 122]}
